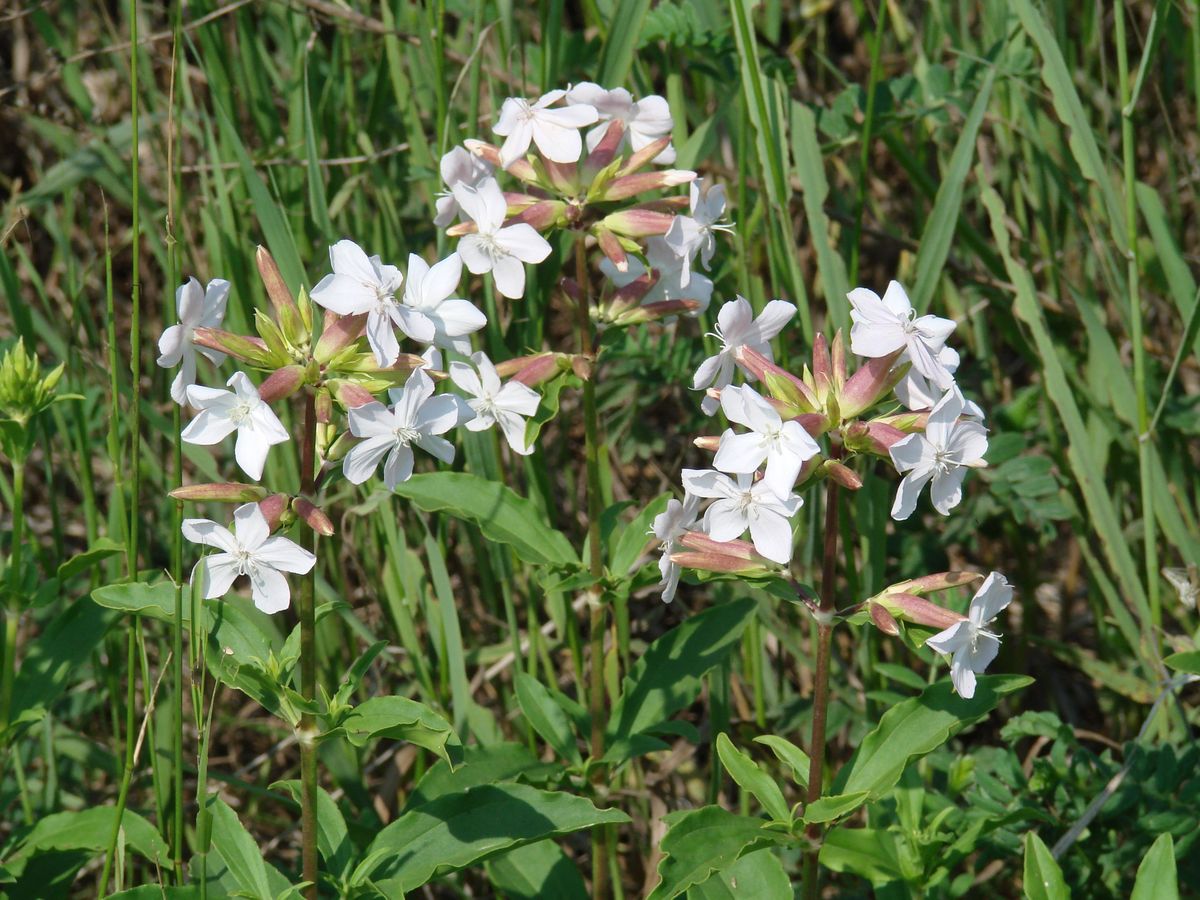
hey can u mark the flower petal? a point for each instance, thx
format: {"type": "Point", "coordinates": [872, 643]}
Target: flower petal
{"type": "Point", "coordinates": [250, 526]}
{"type": "Point", "coordinates": [269, 589]}
{"type": "Point", "coordinates": [286, 555]}
{"type": "Point", "coordinates": [908, 493]}
{"type": "Point", "coordinates": [399, 467]}
{"type": "Point", "coordinates": [361, 461]}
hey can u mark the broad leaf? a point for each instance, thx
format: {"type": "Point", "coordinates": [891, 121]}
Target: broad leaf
{"type": "Point", "coordinates": [333, 840]}
{"type": "Point", "coordinates": [705, 841]}
{"type": "Point", "coordinates": [546, 717]}
{"type": "Point", "coordinates": [1187, 662]}
{"type": "Point", "coordinates": [827, 809]}
{"type": "Point", "coordinates": [537, 870]}
{"type": "Point", "coordinates": [868, 852]}
{"type": "Point", "coordinates": [238, 850]}
{"type": "Point", "coordinates": [492, 764]}
{"type": "Point", "coordinates": [790, 755]}
{"type": "Point", "coordinates": [1043, 877]}
{"type": "Point", "coordinates": [139, 598]}
{"type": "Point", "coordinates": [403, 720]}
{"type": "Point", "coordinates": [91, 830]}
{"type": "Point", "coordinates": [750, 777]}
{"type": "Point", "coordinates": [1156, 876]}
{"type": "Point", "coordinates": [759, 875]}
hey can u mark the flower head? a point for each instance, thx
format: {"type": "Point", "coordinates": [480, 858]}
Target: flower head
{"type": "Point", "coordinates": [783, 446]}
{"type": "Point", "coordinates": [458, 166]}
{"type": "Point", "coordinates": [415, 417]}
{"type": "Point", "coordinates": [943, 453]}
{"type": "Point", "coordinates": [737, 327]}
{"type": "Point", "coordinates": [669, 526]}
{"type": "Point", "coordinates": [240, 410]}
{"type": "Point", "coordinates": [917, 392]}
{"type": "Point", "coordinates": [361, 284]}
{"type": "Point", "coordinates": [197, 308]}
{"type": "Point", "coordinates": [746, 504]}
{"type": "Point", "coordinates": [883, 326]}
{"type": "Point", "coordinates": [247, 550]}
{"type": "Point", "coordinates": [694, 235]}
{"type": "Point", "coordinates": [972, 646]}
{"type": "Point", "coordinates": [670, 283]}
{"type": "Point", "coordinates": [508, 405]}
{"type": "Point", "coordinates": [493, 247]}
{"type": "Point", "coordinates": [428, 291]}
{"type": "Point", "coordinates": [554, 131]}
{"type": "Point", "coordinates": [645, 121]}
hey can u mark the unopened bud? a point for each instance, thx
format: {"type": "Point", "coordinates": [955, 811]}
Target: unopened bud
{"type": "Point", "coordinates": [638, 222]}
{"type": "Point", "coordinates": [871, 437]}
{"type": "Point", "coordinates": [540, 368]}
{"type": "Point", "coordinates": [874, 380]}
{"type": "Point", "coordinates": [582, 366]}
{"type": "Point", "coordinates": [340, 447]}
{"type": "Point", "coordinates": [272, 279]}
{"type": "Point", "coordinates": [611, 247]}
{"type": "Point", "coordinates": [273, 509]}
{"type": "Point", "coordinates": [919, 610]}
{"type": "Point", "coordinates": [842, 474]}
{"type": "Point", "coordinates": [247, 349]}
{"type": "Point", "coordinates": [940, 581]}
{"type": "Point", "coordinates": [324, 406]}
{"type": "Point", "coordinates": [884, 620]}
{"type": "Point", "coordinates": [648, 154]}
{"type": "Point", "coordinates": [563, 177]}
{"type": "Point", "coordinates": [738, 557]}
{"type": "Point", "coordinates": [660, 309]}
{"type": "Point", "coordinates": [631, 185]}
{"type": "Point", "coordinates": [822, 367]}
{"type": "Point", "coordinates": [338, 334]}
{"type": "Point", "coordinates": [220, 492]}
{"type": "Point", "coordinates": [838, 360]}
{"type": "Point", "coordinates": [781, 384]}
{"type": "Point", "coordinates": [313, 517]}
{"type": "Point", "coordinates": [542, 215]}
{"type": "Point", "coordinates": [281, 383]}
{"type": "Point", "coordinates": [709, 442]}
{"type": "Point", "coordinates": [606, 150]}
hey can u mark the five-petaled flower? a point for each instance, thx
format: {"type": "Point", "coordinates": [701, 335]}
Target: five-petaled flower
{"type": "Point", "coordinates": [943, 453]}
{"type": "Point", "coordinates": [669, 526]}
{"type": "Point", "coordinates": [361, 284]}
{"type": "Point", "coordinates": [198, 308]}
{"type": "Point", "coordinates": [554, 131]}
{"type": "Point", "coordinates": [969, 642]}
{"type": "Point", "coordinates": [416, 417]}
{"type": "Point", "coordinates": [458, 166]}
{"type": "Point", "coordinates": [493, 247]}
{"type": "Point", "coordinates": [508, 405]}
{"type": "Point", "coordinates": [645, 121]}
{"type": "Point", "coordinates": [783, 446]}
{"type": "Point", "coordinates": [240, 410]}
{"type": "Point", "coordinates": [883, 326]}
{"type": "Point", "coordinates": [247, 550]}
{"type": "Point", "coordinates": [736, 327]}
{"type": "Point", "coordinates": [746, 504]}
{"type": "Point", "coordinates": [694, 235]}
{"type": "Point", "coordinates": [428, 291]}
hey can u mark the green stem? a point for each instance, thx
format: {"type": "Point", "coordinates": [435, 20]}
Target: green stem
{"type": "Point", "coordinates": [864, 157]}
{"type": "Point", "coordinates": [1144, 448]}
{"type": "Point", "coordinates": [596, 704]}
{"type": "Point", "coordinates": [135, 315]}
{"type": "Point", "coordinates": [12, 608]}
{"type": "Point", "coordinates": [816, 749]}
{"type": "Point", "coordinates": [307, 734]}
{"type": "Point", "coordinates": [130, 746]}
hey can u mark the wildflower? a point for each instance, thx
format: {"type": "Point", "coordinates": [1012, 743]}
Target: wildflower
{"type": "Point", "coordinates": [746, 504]}
{"type": "Point", "coordinates": [508, 405]}
{"type": "Point", "coordinates": [971, 645]}
{"type": "Point", "coordinates": [428, 290]}
{"type": "Point", "coordinates": [361, 284]}
{"type": "Point", "coordinates": [248, 550]}
{"type": "Point", "coordinates": [784, 446]}
{"type": "Point", "coordinates": [416, 417]}
{"type": "Point", "coordinates": [942, 454]}
{"type": "Point", "coordinates": [494, 248]}
{"type": "Point", "coordinates": [197, 309]}
{"type": "Point", "coordinates": [881, 327]}
{"type": "Point", "coordinates": [694, 235]}
{"type": "Point", "coordinates": [669, 526]}
{"type": "Point", "coordinates": [554, 131]}
{"type": "Point", "coordinates": [240, 410]}
{"type": "Point", "coordinates": [916, 392]}
{"type": "Point", "coordinates": [459, 166]}
{"type": "Point", "coordinates": [670, 284]}
{"type": "Point", "coordinates": [645, 121]}
{"type": "Point", "coordinates": [737, 327]}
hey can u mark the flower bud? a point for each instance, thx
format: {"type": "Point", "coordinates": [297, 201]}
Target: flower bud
{"type": "Point", "coordinates": [281, 383]}
{"type": "Point", "coordinates": [874, 380]}
{"type": "Point", "coordinates": [611, 247]}
{"type": "Point", "coordinates": [709, 442]}
{"type": "Point", "coordinates": [340, 447]}
{"type": "Point", "coordinates": [324, 406]}
{"type": "Point", "coordinates": [919, 610]}
{"type": "Point", "coordinates": [647, 154]}
{"type": "Point", "coordinates": [273, 509]}
{"type": "Point", "coordinates": [563, 178]}
{"type": "Point", "coordinates": [871, 437]}
{"type": "Point", "coordinates": [822, 367]}
{"type": "Point", "coordinates": [582, 366]}
{"type": "Point", "coordinates": [461, 228]}
{"type": "Point", "coordinates": [660, 309]}
{"type": "Point", "coordinates": [638, 222]}
{"type": "Point", "coordinates": [24, 392]}
{"type": "Point", "coordinates": [349, 394]}
{"type": "Point", "coordinates": [538, 369]}
{"type": "Point", "coordinates": [884, 620]}
{"type": "Point", "coordinates": [631, 185]}
{"type": "Point", "coordinates": [221, 492]}
{"type": "Point", "coordinates": [313, 517]}
{"type": "Point", "coordinates": [736, 557]}
{"type": "Point", "coordinates": [337, 335]}
{"type": "Point", "coordinates": [606, 150]}
{"type": "Point", "coordinates": [838, 360]}
{"type": "Point", "coordinates": [781, 384]}
{"type": "Point", "coordinates": [272, 279]}
{"type": "Point", "coordinates": [518, 168]}
{"type": "Point", "coordinates": [247, 349]}
{"type": "Point", "coordinates": [842, 474]}
{"type": "Point", "coordinates": [542, 215]}
{"type": "Point", "coordinates": [940, 581]}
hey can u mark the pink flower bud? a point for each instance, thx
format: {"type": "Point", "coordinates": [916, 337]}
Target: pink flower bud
{"type": "Point", "coordinates": [884, 620]}
{"type": "Point", "coordinates": [843, 475]}
{"type": "Point", "coordinates": [563, 177]}
{"type": "Point", "coordinates": [821, 365]}
{"type": "Point", "coordinates": [537, 369]}
{"type": "Point", "coordinates": [660, 309]}
{"type": "Point", "coordinates": [252, 350]}
{"type": "Point", "coordinates": [647, 154]}
{"type": "Point", "coordinates": [324, 405]}
{"type": "Point", "coordinates": [313, 517]}
{"type": "Point", "coordinates": [542, 215]}
{"type": "Point", "coordinates": [582, 366]}
{"type": "Point", "coordinates": [737, 557]}
{"type": "Point", "coordinates": [871, 437]}
{"type": "Point", "coordinates": [940, 581]}
{"type": "Point", "coordinates": [462, 228]}
{"type": "Point", "coordinates": [340, 447]}
{"type": "Point", "coordinates": [709, 442]}
{"type": "Point", "coordinates": [272, 279]}
{"type": "Point", "coordinates": [919, 610]}
{"type": "Point", "coordinates": [838, 359]}
{"type": "Point", "coordinates": [611, 247]}
{"type": "Point", "coordinates": [632, 185]}
{"type": "Point", "coordinates": [222, 492]}
{"type": "Point", "coordinates": [281, 383]}
{"type": "Point", "coordinates": [605, 151]}
{"type": "Point", "coordinates": [638, 222]}
{"type": "Point", "coordinates": [781, 384]}
{"type": "Point", "coordinates": [273, 508]}
{"type": "Point", "coordinates": [349, 394]}
{"type": "Point", "coordinates": [874, 379]}
{"type": "Point", "coordinates": [816, 424]}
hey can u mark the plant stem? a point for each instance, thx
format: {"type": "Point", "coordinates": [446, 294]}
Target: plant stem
{"type": "Point", "coordinates": [308, 659]}
{"type": "Point", "coordinates": [596, 704]}
{"type": "Point", "coordinates": [12, 605]}
{"type": "Point", "coordinates": [816, 749]}
{"type": "Point", "coordinates": [130, 742]}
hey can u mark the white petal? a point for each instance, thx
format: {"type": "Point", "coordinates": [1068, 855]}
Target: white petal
{"type": "Point", "coordinates": [962, 677]}
{"type": "Point", "coordinates": [908, 493]}
{"type": "Point", "coordinates": [264, 421]}
{"type": "Point", "coordinates": [472, 252]}
{"type": "Point", "coordinates": [286, 555]}
{"type": "Point", "coordinates": [442, 279]}
{"type": "Point", "coordinates": [514, 427]}
{"type": "Point", "coordinates": [726, 520]}
{"type": "Point", "coordinates": [250, 526]}
{"type": "Point", "coordinates": [459, 317]}
{"type": "Point", "coordinates": [705, 374]}
{"type": "Point", "coordinates": [201, 397]}
{"type": "Point", "coordinates": [875, 340]}
{"type": "Point", "coordinates": [782, 471]}
{"type": "Point", "coordinates": [942, 418]}
{"type": "Point", "coordinates": [171, 345]}
{"type": "Point", "coordinates": [437, 446]}
{"type": "Point", "coordinates": [772, 535]}
{"type": "Point", "coordinates": [739, 453]}
{"type": "Point", "coordinates": [361, 461]}
{"type": "Point", "coordinates": [518, 398]}
{"type": "Point", "coordinates": [951, 639]}
{"type": "Point", "coordinates": [399, 467]}
{"type": "Point", "coordinates": [935, 330]}
{"type": "Point", "coordinates": [209, 533]}
{"type": "Point", "coordinates": [912, 452]}
{"type": "Point", "coordinates": [516, 145]}
{"type": "Point", "coordinates": [371, 420]}
{"type": "Point", "coordinates": [217, 574]}
{"type": "Point", "coordinates": [207, 428]}
{"type": "Point", "coordinates": [992, 597]}
{"type": "Point", "coordinates": [556, 142]}
{"type": "Point", "coordinates": [895, 298]}
{"type": "Point", "coordinates": [968, 442]}
{"type": "Point", "coordinates": [573, 117]}
{"type": "Point", "coordinates": [413, 323]}
{"type": "Point", "coordinates": [269, 589]}
{"type": "Point", "coordinates": [216, 297]}
{"type": "Point", "coordinates": [523, 242]}
{"type": "Point", "coordinates": [189, 302]}
{"type": "Point", "coordinates": [184, 378]}
{"type": "Point", "coordinates": [382, 338]}
{"type": "Point", "coordinates": [251, 451]}
{"type": "Point", "coordinates": [946, 490]}
{"type": "Point", "coordinates": [437, 416]}
{"type": "Point", "coordinates": [465, 378]}
{"type": "Point", "coordinates": [771, 320]}
{"type": "Point", "coordinates": [509, 275]}
{"type": "Point", "coordinates": [347, 258]}
{"type": "Point", "coordinates": [708, 483]}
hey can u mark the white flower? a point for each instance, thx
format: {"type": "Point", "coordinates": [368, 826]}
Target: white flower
{"type": "Point", "coordinates": [361, 284]}
{"type": "Point", "coordinates": [240, 410]}
{"type": "Point", "coordinates": [197, 309]}
{"type": "Point", "coordinates": [669, 269]}
{"type": "Point", "coordinates": [942, 453]}
{"type": "Point", "coordinates": [248, 550]}
{"type": "Point", "coordinates": [916, 392]}
{"type": "Point", "coordinates": [459, 166]}
{"type": "Point", "coordinates": [428, 291]}
{"type": "Point", "coordinates": [645, 120]}
{"type": "Point", "coordinates": [746, 504]}
{"type": "Point", "coordinates": [737, 327]}
{"type": "Point", "coordinates": [494, 248]}
{"type": "Point", "coordinates": [972, 646]}
{"type": "Point", "coordinates": [784, 446]}
{"type": "Point", "coordinates": [554, 131]}
{"type": "Point", "coordinates": [416, 417]}
{"type": "Point", "coordinates": [669, 526]}
{"type": "Point", "coordinates": [882, 327]}
{"type": "Point", "coordinates": [508, 405]}
{"type": "Point", "coordinates": [696, 234]}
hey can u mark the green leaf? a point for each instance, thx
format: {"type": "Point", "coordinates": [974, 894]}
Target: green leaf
{"type": "Point", "coordinates": [403, 720]}
{"type": "Point", "coordinates": [492, 764]}
{"type": "Point", "coordinates": [1043, 877]}
{"type": "Point", "coordinates": [621, 40]}
{"type": "Point", "coordinates": [827, 809]}
{"type": "Point", "coordinates": [632, 540]}
{"type": "Point", "coordinates": [90, 830]}
{"type": "Point", "coordinates": [546, 717]}
{"type": "Point", "coordinates": [459, 830]}
{"type": "Point", "coordinates": [759, 875]}
{"type": "Point", "coordinates": [333, 839]}
{"type": "Point", "coordinates": [668, 675]}
{"type": "Point", "coordinates": [101, 550]}
{"type": "Point", "coordinates": [1156, 876]}
{"type": "Point", "coordinates": [750, 777]}
{"type": "Point", "coordinates": [868, 852]}
{"type": "Point", "coordinates": [537, 870]}
{"type": "Point", "coordinates": [140, 598]}
{"type": "Point", "coordinates": [1188, 662]}
{"type": "Point", "coordinates": [789, 754]}
{"type": "Point", "coordinates": [238, 850]}
{"type": "Point", "coordinates": [701, 842]}
{"type": "Point", "coordinates": [918, 726]}
{"type": "Point", "coordinates": [501, 514]}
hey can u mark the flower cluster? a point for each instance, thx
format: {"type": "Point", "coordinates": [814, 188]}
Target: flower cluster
{"type": "Point", "coordinates": [902, 404]}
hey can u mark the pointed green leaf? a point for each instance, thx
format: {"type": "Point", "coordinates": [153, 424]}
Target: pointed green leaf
{"type": "Point", "coordinates": [1043, 877]}
{"type": "Point", "coordinates": [701, 842]}
{"type": "Point", "coordinates": [1157, 878]}
{"type": "Point", "coordinates": [750, 777]}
